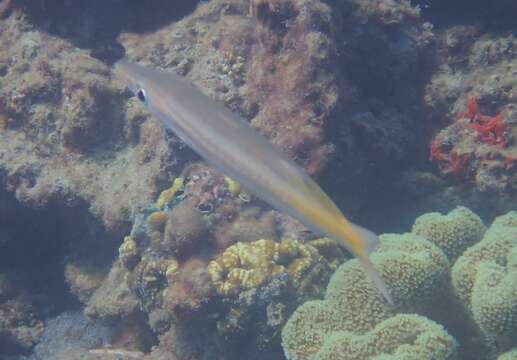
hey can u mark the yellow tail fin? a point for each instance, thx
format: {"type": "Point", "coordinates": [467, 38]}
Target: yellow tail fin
{"type": "Point", "coordinates": [370, 241]}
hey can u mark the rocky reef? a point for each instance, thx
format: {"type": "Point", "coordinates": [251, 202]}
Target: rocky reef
{"type": "Point", "coordinates": [116, 241]}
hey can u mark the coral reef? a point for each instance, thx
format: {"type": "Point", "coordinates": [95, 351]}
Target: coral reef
{"type": "Point", "coordinates": [413, 268]}
{"type": "Point", "coordinates": [453, 233]}
{"type": "Point", "coordinates": [338, 87]}
{"type": "Point", "coordinates": [510, 355]}
{"type": "Point", "coordinates": [20, 325]}
{"type": "Point", "coordinates": [185, 231]}
{"type": "Point", "coordinates": [274, 61]}
{"type": "Point", "coordinates": [478, 146]}
{"type": "Point", "coordinates": [260, 283]}
{"type": "Point", "coordinates": [484, 280]}
{"type": "Point", "coordinates": [113, 300]}
{"type": "Point", "coordinates": [352, 318]}
{"type": "Point", "coordinates": [63, 112]}
{"type": "Point", "coordinates": [399, 337]}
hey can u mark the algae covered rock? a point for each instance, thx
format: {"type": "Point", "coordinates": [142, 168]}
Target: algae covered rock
{"type": "Point", "coordinates": [485, 280]}
{"type": "Point", "coordinates": [113, 299]}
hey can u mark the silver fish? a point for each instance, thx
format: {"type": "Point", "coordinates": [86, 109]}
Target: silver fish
{"type": "Point", "coordinates": [231, 145]}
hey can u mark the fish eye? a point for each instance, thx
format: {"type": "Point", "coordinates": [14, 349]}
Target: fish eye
{"type": "Point", "coordinates": [141, 95]}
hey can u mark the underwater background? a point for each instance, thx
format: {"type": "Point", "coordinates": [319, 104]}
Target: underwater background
{"type": "Point", "coordinates": [118, 242]}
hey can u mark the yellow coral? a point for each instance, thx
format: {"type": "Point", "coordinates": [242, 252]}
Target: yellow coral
{"type": "Point", "coordinates": [233, 186]}
{"type": "Point", "coordinates": [128, 252]}
{"type": "Point", "coordinates": [171, 270]}
{"type": "Point", "coordinates": [157, 220]}
{"type": "Point", "coordinates": [167, 195]}
{"type": "Point", "coordinates": [231, 65]}
{"type": "Point", "coordinates": [245, 266]}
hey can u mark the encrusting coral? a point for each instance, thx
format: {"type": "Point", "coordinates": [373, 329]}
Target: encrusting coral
{"type": "Point", "coordinates": [484, 278]}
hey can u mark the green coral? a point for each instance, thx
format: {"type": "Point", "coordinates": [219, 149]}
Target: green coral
{"type": "Point", "coordinates": [484, 278]}
{"type": "Point", "coordinates": [412, 267]}
{"type": "Point", "coordinates": [453, 233]}
{"type": "Point", "coordinates": [510, 355]}
{"type": "Point", "coordinates": [401, 337]}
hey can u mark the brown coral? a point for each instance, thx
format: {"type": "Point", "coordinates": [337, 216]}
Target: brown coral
{"type": "Point", "coordinates": [185, 231]}
{"type": "Point", "coordinates": [191, 289]}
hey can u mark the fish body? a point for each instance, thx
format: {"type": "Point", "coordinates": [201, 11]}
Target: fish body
{"type": "Point", "coordinates": [231, 145]}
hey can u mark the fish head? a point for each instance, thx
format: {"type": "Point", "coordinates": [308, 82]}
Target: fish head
{"type": "Point", "coordinates": [136, 78]}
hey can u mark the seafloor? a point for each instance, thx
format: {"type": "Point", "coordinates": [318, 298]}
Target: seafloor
{"type": "Point", "coordinates": [118, 242]}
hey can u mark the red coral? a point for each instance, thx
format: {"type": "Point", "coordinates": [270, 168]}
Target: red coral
{"type": "Point", "coordinates": [510, 162]}
{"type": "Point", "coordinates": [491, 130]}
{"type": "Point", "coordinates": [459, 164]}
{"type": "Point", "coordinates": [472, 109]}
{"type": "Point", "coordinates": [436, 151]}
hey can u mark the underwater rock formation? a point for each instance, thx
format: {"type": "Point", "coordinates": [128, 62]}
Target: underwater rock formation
{"type": "Point", "coordinates": [76, 137]}
{"type": "Point", "coordinates": [337, 86]}
{"type": "Point", "coordinates": [70, 333]}
{"type": "Point", "coordinates": [275, 62]}
{"type": "Point", "coordinates": [472, 94]}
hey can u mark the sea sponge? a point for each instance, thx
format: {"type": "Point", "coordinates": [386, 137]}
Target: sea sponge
{"type": "Point", "coordinates": [247, 225]}
{"type": "Point", "coordinates": [184, 231]}
{"type": "Point", "coordinates": [484, 280]}
{"type": "Point", "coordinates": [413, 269]}
{"type": "Point", "coordinates": [453, 233]}
{"type": "Point", "coordinates": [157, 220]}
{"type": "Point", "coordinates": [113, 300]}
{"type": "Point", "coordinates": [189, 291]}
{"type": "Point", "coordinates": [403, 336]}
